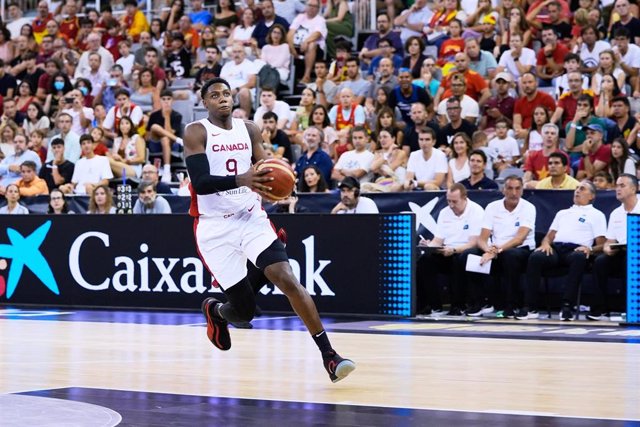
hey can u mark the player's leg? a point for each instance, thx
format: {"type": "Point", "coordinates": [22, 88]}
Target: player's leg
{"type": "Point", "coordinates": [275, 264]}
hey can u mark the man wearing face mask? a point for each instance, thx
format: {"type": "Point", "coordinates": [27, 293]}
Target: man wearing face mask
{"type": "Point", "coordinates": [350, 200]}
{"type": "Point", "coordinates": [115, 82]}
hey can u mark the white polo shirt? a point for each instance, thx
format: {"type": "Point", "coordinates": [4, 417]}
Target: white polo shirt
{"type": "Point", "coordinates": [426, 170]}
{"type": "Point", "coordinates": [357, 160]}
{"type": "Point", "coordinates": [579, 225]}
{"type": "Point", "coordinates": [504, 225]}
{"type": "Point", "coordinates": [456, 230]}
{"type": "Point", "coordinates": [527, 57]}
{"type": "Point", "coordinates": [617, 229]}
{"type": "Point", "coordinates": [365, 206]}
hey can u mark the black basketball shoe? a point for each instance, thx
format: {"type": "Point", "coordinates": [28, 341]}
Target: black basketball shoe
{"type": "Point", "coordinates": [337, 367]}
{"type": "Point", "coordinates": [217, 327]}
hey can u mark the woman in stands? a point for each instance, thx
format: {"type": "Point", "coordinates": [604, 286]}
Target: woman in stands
{"type": "Point", "coordinates": [146, 95]}
{"type": "Point", "coordinates": [7, 48]}
{"type": "Point", "coordinates": [13, 207]}
{"type": "Point", "coordinates": [171, 17]}
{"type": "Point", "coordinates": [303, 115]}
{"type": "Point", "coordinates": [373, 111]}
{"type": "Point", "coordinates": [207, 39]}
{"type": "Point", "coordinates": [621, 160]}
{"type": "Point", "coordinates": [156, 29]}
{"type": "Point", "coordinates": [389, 164]}
{"type": "Point", "coordinates": [429, 76]}
{"type": "Point", "coordinates": [459, 162]}
{"type": "Point", "coordinates": [339, 23]}
{"type": "Point", "coordinates": [608, 90]}
{"type": "Point", "coordinates": [25, 97]}
{"type": "Point", "coordinates": [414, 58]}
{"type": "Point", "coordinates": [60, 85]}
{"type": "Point", "coordinates": [225, 18]}
{"type": "Point", "coordinates": [387, 120]}
{"type": "Point", "coordinates": [101, 201]}
{"type": "Point", "coordinates": [607, 65]}
{"type": "Point", "coordinates": [242, 33]}
{"type": "Point", "coordinates": [517, 24]}
{"type": "Point", "coordinates": [129, 150]}
{"type": "Point", "coordinates": [533, 141]}
{"type": "Point", "coordinates": [276, 51]}
{"type": "Point", "coordinates": [36, 119]}
{"type": "Point", "coordinates": [8, 132]}
{"type": "Point", "coordinates": [320, 119]}
{"type": "Point", "coordinates": [58, 203]}
{"type": "Point", "coordinates": [313, 181]}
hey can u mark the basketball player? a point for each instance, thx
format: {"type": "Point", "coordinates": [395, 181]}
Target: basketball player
{"type": "Point", "coordinates": [231, 226]}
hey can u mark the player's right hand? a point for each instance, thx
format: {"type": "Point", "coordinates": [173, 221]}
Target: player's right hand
{"type": "Point", "coordinates": [256, 179]}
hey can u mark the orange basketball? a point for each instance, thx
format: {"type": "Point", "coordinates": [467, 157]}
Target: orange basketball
{"type": "Point", "coordinates": [283, 178]}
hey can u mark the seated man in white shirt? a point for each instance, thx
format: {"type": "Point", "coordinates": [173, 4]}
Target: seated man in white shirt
{"type": "Point", "coordinates": [357, 162]}
{"type": "Point", "coordinates": [90, 170]}
{"type": "Point", "coordinates": [241, 74]}
{"type": "Point", "coordinates": [518, 60]}
{"type": "Point", "coordinates": [427, 167]}
{"type": "Point", "coordinates": [574, 235]}
{"type": "Point", "coordinates": [351, 202]}
{"type": "Point", "coordinates": [268, 102]}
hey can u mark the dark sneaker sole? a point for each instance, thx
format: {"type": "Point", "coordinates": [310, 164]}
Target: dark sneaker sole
{"type": "Point", "coordinates": [343, 369]}
{"type": "Point", "coordinates": [217, 330]}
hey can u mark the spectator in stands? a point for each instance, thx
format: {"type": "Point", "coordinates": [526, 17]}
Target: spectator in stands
{"type": "Point", "coordinates": [603, 181]}
{"type": "Point", "coordinates": [126, 60]}
{"type": "Point", "coordinates": [123, 107]}
{"type": "Point", "coordinates": [384, 78]}
{"type": "Point", "coordinates": [178, 56]}
{"type": "Point", "coordinates": [385, 119]}
{"type": "Point", "coordinates": [351, 202]}
{"type": "Point", "coordinates": [339, 23]}
{"type": "Point", "coordinates": [207, 39]}
{"type": "Point", "coordinates": [146, 94]}
{"type": "Point", "coordinates": [613, 261]}
{"type": "Point", "coordinates": [89, 171]}
{"type": "Point", "coordinates": [146, 41]}
{"type": "Point", "coordinates": [93, 45]}
{"type": "Point", "coordinates": [275, 137]}
{"type": "Point", "coordinates": [536, 163]}
{"type": "Point", "coordinates": [7, 48]}
{"type": "Point", "coordinates": [405, 94]}
{"type": "Point", "coordinates": [264, 25]}
{"type": "Point", "coordinates": [51, 67]}
{"type": "Point", "coordinates": [152, 61]}
{"type": "Point", "coordinates": [312, 181]}
{"type": "Point", "coordinates": [568, 102]}
{"type": "Point", "coordinates": [313, 137]}
{"type": "Point", "coordinates": [518, 60]}
{"type": "Point", "coordinates": [506, 148]}
{"type": "Point", "coordinates": [320, 119]}
{"type": "Point", "coordinates": [419, 119]}
{"type": "Point", "coordinates": [10, 171]}
{"type": "Point", "coordinates": [150, 173]}
{"type": "Point", "coordinates": [413, 47]}
{"type": "Point", "coordinates": [8, 83]}
{"type": "Point", "coordinates": [276, 51]}
{"type": "Point", "coordinates": [13, 206]}
{"type": "Point", "coordinates": [39, 23]}
{"type": "Point", "coordinates": [115, 82]}
{"type": "Point", "coordinates": [555, 11]}
{"type": "Point", "coordinates": [574, 236]}
{"type": "Point", "coordinates": [225, 18]}
{"type": "Point", "coordinates": [128, 153]}
{"type": "Point", "coordinates": [241, 75]}
{"type": "Point", "coordinates": [307, 36]}
{"type": "Point", "coordinates": [510, 224]}
{"type": "Point", "coordinates": [596, 155]}
{"type": "Point", "coordinates": [470, 110]}
{"type": "Point", "coordinates": [30, 72]}
{"type": "Point", "coordinates": [348, 113]}
{"type": "Point", "coordinates": [430, 76]}
{"type": "Point", "coordinates": [480, 61]}
{"type": "Point", "coordinates": [325, 89]}
{"type": "Point", "coordinates": [149, 202]}
{"type": "Point", "coordinates": [30, 184]}
{"type": "Point", "coordinates": [526, 104]}
{"type": "Point", "coordinates": [81, 116]}
{"type": "Point", "coordinates": [211, 68]}
{"type": "Point", "coordinates": [134, 21]}
{"type": "Point", "coordinates": [625, 122]}
{"type": "Point", "coordinates": [477, 87]}
{"type": "Point", "coordinates": [412, 21]}
{"type": "Point", "coordinates": [372, 49]}
{"type": "Point", "coordinates": [46, 50]}
{"type": "Point", "coordinates": [576, 129]}
{"type": "Point", "coordinates": [85, 88]}
{"type": "Point", "coordinates": [269, 102]}
{"type": "Point", "coordinates": [627, 20]}
{"type": "Point", "coordinates": [241, 33]}
{"type": "Point", "coordinates": [302, 117]}
{"type": "Point", "coordinates": [621, 160]}
{"type": "Point", "coordinates": [357, 162]}
{"type": "Point", "coordinates": [557, 176]}
{"type": "Point", "coordinates": [459, 160]}
{"type": "Point", "coordinates": [550, 59]}
{"type": "Point", "coordinates": [500, 106]}
{"type": "Point", "coordinates": [71, 23]}
{"type": "Point", "coordinates": [360, 87]}
{"type": "Point", "coordinates": [590, 49]}
{"type": "Point", "coordinates": [396, 60]}
{"type": "Point", "coordinates": [60, 85]}
{"type": "Point", "coordinates": [164, 128]}
{"type": "Point", "coordinates": [58, 171]}
{"type": "Point", "coordinates": [457, 230]}
{"type": "Point", "coordinates": [101, 201]}
{"type": "Point", "coordinates": [37, 140]}
{"type": "Point", "coordinates": [627, 55]}
{"type": "Point", "coordinates": [427, 167]}
{"type": "Point", "coordinates": [36, 119]}
{"type": "Point", "coordinates": [58, 204]}
{"type": "Point", "coordinates": [389, 164]}
{"type": "Point", "coordinates": [456, 124]}
{"type": "Point", "coordinates": [608, 90]}
{"type": "Point", "coordinates": [8, 132]}
{"type": "Point", "coordinates": [288, 9]}
{"type": "Point", "coordinates": [477, 179]}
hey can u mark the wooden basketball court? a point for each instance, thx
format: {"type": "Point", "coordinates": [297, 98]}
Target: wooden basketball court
{"type": "Point", "coordinates": [152, 368]}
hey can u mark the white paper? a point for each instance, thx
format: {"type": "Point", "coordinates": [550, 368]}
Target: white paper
{"type": "Point", "coordinates": [473, 265]}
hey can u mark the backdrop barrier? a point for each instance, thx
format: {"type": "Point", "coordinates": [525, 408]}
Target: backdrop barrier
{"type": "Point", "coordinates": [357, 264]}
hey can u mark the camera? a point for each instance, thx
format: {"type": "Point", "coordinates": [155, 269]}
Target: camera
{"type": "Point", "coordinates": [69, 100]}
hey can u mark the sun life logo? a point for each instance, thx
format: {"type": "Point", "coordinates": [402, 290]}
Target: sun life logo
{"type": "Point", "coordinates": [25, 252]}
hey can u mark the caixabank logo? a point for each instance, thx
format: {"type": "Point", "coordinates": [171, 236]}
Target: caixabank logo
{"type": "Point", "coordinates": [23, 252]}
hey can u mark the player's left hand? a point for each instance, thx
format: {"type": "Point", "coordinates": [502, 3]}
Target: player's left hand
{"type": "Point", "coordinates": [256, 179]}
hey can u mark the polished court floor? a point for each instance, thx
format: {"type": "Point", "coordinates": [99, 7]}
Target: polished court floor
{"type": "Point", "coordinates": [88, 368]}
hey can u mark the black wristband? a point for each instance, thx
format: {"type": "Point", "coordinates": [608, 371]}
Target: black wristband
{"type": "Point", "coordinates": [201, 179]}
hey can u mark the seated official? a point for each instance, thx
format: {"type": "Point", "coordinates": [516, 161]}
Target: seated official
{"type": "Point", "coordinates": [569, 243]}
{"type": "Point", "coordinates": [613, 261]}
{"type": "Point", "coordinates": [457, 230]}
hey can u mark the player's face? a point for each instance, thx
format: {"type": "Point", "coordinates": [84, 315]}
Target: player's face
{"type": "Point", "coordinates": [218, 99]}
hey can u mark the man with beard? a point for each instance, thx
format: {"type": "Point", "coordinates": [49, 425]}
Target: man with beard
{"type": "Point", "coordinates": [149, 202]}
{"type": "Point", "coordinates": [350, 200]}
{"type": "Point", "coordinates": [525, 105]}
{"type": "Point", "coordinates": [211, 69]}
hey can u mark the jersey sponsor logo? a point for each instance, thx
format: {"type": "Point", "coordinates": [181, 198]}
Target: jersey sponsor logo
{"type": "Point", "coordinates": [466, 227]}
{"type": "Point", "coordinates": [517, 223]}
{"type": "Point", "coordinates": [581, 219]}
{"type": "Point", "coordinates": [216, 148]}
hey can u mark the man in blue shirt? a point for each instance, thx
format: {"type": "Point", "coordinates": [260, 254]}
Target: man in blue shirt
{"type": "Point", "coordinates": [263, 25]}
{"type": "Point", "coordinates": [313, 137]}
{"type": "Point", "coordinates": [200, 17]}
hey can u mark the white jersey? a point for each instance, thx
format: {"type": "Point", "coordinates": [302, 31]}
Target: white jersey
{"type": "Point", "coordinates": [229, 153]}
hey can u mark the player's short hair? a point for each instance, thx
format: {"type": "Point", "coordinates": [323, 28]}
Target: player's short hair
{"type": "Point", "coordinates": [270, 115]}
{"type": "Point", "coordinates": [211, 82]}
